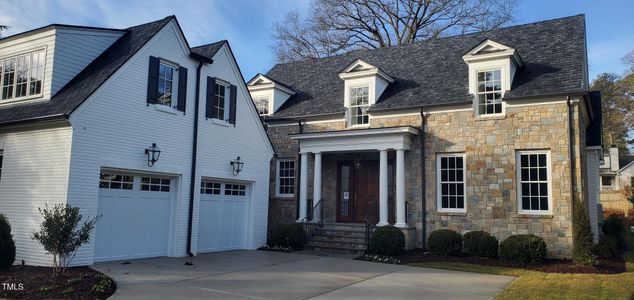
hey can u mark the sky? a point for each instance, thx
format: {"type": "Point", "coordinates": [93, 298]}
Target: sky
{"type": "Point", "coordinates": [247, 23]}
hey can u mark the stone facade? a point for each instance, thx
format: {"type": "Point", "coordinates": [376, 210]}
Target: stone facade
{"type": "Point", "coordinates": [490, 145]}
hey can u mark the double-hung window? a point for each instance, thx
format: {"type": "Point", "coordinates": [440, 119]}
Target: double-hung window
{"type": "Point", "coordinates": [165, 84]}
{"type": "Point", "coordinates": [285, 178]}
{"type": "Point", "coordinates": [262, 104]}
{"type": "Point", "coordinates": [489, 92]}
{"type": "Point", "coordinates": [451, 182]}
{"type": "Point", "coordinates": [220, 108]}
{"type": "Point", "coordinates": [359, 104]}
{"type": "Point", "coordinates": [22, 75]}
{"type": "Point", "coordinates": [534, 182]}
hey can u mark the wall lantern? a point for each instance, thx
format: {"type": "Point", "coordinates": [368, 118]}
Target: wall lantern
{"type": "Point", "coordinates": [153, 153]}
{"type": "Point", "coordinates": [237, 166]}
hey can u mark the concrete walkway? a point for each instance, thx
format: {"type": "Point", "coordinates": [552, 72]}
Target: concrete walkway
{"type": "Point", "coordinates": [273, 275]}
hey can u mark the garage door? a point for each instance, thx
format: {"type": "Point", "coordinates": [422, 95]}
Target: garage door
{"type": "Point", "coordinates": [136, 213]}
{"type": "Point", "coordinates": [222, 222]}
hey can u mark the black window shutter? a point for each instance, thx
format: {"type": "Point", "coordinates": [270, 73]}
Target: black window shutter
{"type": "Point", "coordinates": [209, 104]}
{"type": "Point", "coordinates": [233, 90]}
{"type": "Point", "coordinates": [152, 80]}
{"type": "Point", "coordinates": [182, 88]}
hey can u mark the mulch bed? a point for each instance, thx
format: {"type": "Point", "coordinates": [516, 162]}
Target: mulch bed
{"type": "Point", "coordinates": [606, 266]}
{"type": "Point", "coordinates": [28, 282]}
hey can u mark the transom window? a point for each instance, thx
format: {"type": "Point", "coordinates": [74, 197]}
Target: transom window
{"type": "Point", "coordinates": [359, 104]}
{"type": "Point", "coordinates": [489, 92]}
{"type": "Point", "coordinates": [115, 181]}
{"type": "Point", "coordinates": [210, 187]}
{"type": "Point", "coordinates": [219, 110]}
{"type": "Point", "coordinates": [451, 182]}
{"type": "Point", "coordinates": [534, 174]}
{"type": "Point", "coordinates": [22, 75]}
{"type": "Point", "coordinates": [235, 189]}
{"type": "Point", "coordinates": [155, 184]}
{"type": "Point", "coordinates": [262, 104]}
{"type": "Point", "coordinates": [165, 84]}
{"type": "Point", "coordinates": [285, 178]}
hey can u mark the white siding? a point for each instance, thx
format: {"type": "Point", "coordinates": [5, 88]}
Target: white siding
{"type": "Point", "coordinates": [34, 173]}
{"type": "Point", "coordinates": [75, 49]}
{"type": "Point", "coordinates": [592, 163]}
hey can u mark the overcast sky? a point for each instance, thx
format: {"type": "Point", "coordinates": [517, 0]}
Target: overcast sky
{"type": "Point", "coordinates": [247, 23]}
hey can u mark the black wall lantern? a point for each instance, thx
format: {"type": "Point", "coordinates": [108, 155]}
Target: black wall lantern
{"type": "Point", "coordinates": [153, 153]}
{"type": "Point", "coordinates": [237, 166]}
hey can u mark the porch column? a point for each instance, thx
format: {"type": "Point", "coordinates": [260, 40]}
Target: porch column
{"type": "Point", "coordinates": [303, 185]}
{"type": "Point", "coordinates": [400, 189]}
{"type": "Point", "coordinates": [383, 188]}
{"type": "Point", "coordinates": [317, 189]}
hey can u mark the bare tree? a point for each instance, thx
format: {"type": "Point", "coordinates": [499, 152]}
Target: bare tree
{"type": "Point", "coordinates": [3, 27]}
{"type": "Point", "coordinates": [337, 26]}
{"type": "Point", "coordinates": [629, 60]}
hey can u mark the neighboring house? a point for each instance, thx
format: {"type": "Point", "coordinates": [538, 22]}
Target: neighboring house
{"type": "Point", "coordinates": [617, 174]}
{"type": "Point", "coordinates": [496, 129]}
{"type": "Point", "coordinates": [80, 111]}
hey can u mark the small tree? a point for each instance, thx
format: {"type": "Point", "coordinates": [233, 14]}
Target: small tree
{"type": "Point", "coordinates": [61, 234]}
{"type": "Point", "coordinates": [582, 243]}
{"type": "Point", "coordinates": [7, 246]}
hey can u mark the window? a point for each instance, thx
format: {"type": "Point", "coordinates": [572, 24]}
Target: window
{"type": "Point", "coordinates": [155, 184]}
{"type": "Point", "coordinates": [285, 178]}
{"type": "Point", "coordinates": [235, 189]}
{"type": "Point", "coordinates": [115, 181]}
{"type": "Point", "coordinates": [607, 181]}
{"type": "Point", "coordinates": [359, 105]}
{"type": "Point", "coordinates": [210, 187]}
{"type": "Point", "coordinates": [220, 110]}
{"type": "Point", "coordinates": [165, 84]}
{"type": "Point", "coordinates": [262, 104]}
{"type": "Point", "coordinates": [22, 75]}
{"type": "Point", "coordinates": [533, 184]}
{"type": "Point", "coordinates": [489, 92]}
{"type": "Point", "coordinates": [451, 182]}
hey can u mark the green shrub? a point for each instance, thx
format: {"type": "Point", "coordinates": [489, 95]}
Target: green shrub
{"type": "Point", "coordinates": [523, 248]}
{"type": "Point", "coordinates": [608, 247]}
{"type": "Point", "coordinates": [582, 236]}
{"type": "Point", "coordinates": [288, 235]}
{"type": "Point", "coordinates": [445, 242]}
{"type": "Point", "coordinates": [615, 226]}
{"type": "Point", "coordinates": [387, 240]}
{"type": "Point", "coordinates": [480, 243]}
{"type": "Point", "coordinates": [7, 245]}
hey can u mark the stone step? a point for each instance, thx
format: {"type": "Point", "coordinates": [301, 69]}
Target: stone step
{"type": "Point", "coordinates": [333, 249]}
{"type": "Point", "coordinates": [337, 245]}
{"type": "Point", "coordinates": [343, 226]}
{"type": "Point", "coordinates": [340, 233]}
{"type": "Point", "coordinates": [339, 238]}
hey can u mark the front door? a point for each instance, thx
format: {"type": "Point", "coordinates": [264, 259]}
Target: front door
{"type": "Point", "coordinates": [358, 192]}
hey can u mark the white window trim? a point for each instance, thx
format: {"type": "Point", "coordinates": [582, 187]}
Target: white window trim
{"type": "Point", "coordinates": [268, 104]}
{"type": "Point", "coordinates": [27, 97]}
{"type": "Point", "coordinates": [227, 100]}
{"type": "Point", "coordinates": [518, 174]}
{"type": "Point", "coordinates": [438, 183]}
{"type": "Point", "coordinates": [277, 178]}
{"type": "Point", "coordinates": [174, 101]}
{"type": "Point", "coordinates": [504, 65]}
{"type": "Point", "coordinates": [476, 101]}
{"type": "Point", "coordinates": [348, 94]}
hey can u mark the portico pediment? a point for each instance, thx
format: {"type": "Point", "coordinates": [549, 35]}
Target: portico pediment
{"type": "Point", "coordinates": [394, 138]}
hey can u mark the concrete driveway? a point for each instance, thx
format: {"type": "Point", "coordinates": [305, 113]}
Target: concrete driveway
{"type": "Point", "coordinates": [274, 275]}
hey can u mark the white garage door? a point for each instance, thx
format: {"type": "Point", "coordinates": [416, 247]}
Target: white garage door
{"type": "Point", "coordinates": [136, 213]}
{"type": "Point", "coordinates": [222, 221]}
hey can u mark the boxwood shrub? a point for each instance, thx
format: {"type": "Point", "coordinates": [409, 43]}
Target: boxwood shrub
{"type": "Point", "coordinates": [445, 242]}
{"type": "Point", "coordinates": [288, 235]}
{"type": "Point", "coordinates": [387, 240]}
{"type": "Point", "coordinates": [614, 226]}
{"type": "Point", "coordinates": [523, 248]}
{"type": "Point", "coordinates": [7, 245]}
{"type": "Point", "coordinates": [480, 243]}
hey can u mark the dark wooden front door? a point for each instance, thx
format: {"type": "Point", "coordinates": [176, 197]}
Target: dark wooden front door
{"type": "Point", "coordinates": [358, 192]}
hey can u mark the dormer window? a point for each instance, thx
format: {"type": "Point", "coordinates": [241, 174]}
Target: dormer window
{"type": "Point", "coordinates": [262, 104]}
{"type": "Point", "coordinates": [359, 104]}
{"type": "Point", "coordinates": [21, 76]}
{"type": "Point", "coordinates": [489, 92]}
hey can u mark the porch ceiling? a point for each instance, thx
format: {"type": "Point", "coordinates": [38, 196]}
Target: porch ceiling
{"type": "Point", "coordinates": [356, 139]}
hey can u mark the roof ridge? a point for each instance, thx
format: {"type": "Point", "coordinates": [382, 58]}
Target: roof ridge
{"type": "Point", "coordinates": [213, 43]}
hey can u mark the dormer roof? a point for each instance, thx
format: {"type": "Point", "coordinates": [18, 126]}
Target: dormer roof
{"type": "Point", "coordinates": [491, 50]}
{"type": "Point", "coordinates": [260, 81]}
{"type": "Point", "coordinates": [360, 68]}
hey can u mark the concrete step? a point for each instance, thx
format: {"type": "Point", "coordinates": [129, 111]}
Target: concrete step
{"type": "Point", "coordinates": [339, 233]}
{"type": "Point", "coordinates": [333, 249]}
{"type": "Point", "coordinates": [339, 238]}
{"type": "Point", "coordinates": [337, 244]}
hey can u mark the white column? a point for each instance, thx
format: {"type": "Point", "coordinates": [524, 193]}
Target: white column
{"type": "Point", "coordinates": [303, 186]}
{"type": "Point", "coordinates": [400, 189]}
{"type": "Point", "coordinates": [383, 188]}
{"type": "Point", "coordinates": [317, 188]}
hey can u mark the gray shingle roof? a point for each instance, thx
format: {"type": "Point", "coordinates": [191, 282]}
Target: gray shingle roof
{"type": "Point", "coordinates": [432, 72]}
{"type": "Point", "coordinates": [88, 80]}
{"type": "Point", "coordinates": [209, 50]}
{"type": "Point", "coordinates": [625, 160]}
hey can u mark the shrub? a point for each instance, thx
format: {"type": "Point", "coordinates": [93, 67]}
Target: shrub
{"type": "Point", "coordinates": [480, 243]}
{"type": "Point", "coordinates": [445, 242]}
{"type": "Point", "coordinates": [608, 247]}
{"type": "Point", "coordinates": [523, 248]}
{"type": "Point", "coordinates": [61, 234]}
{"type": "Point", "coordinates": [582, 243]}
{"type": "Point", "coordinates": [387, 240]}
{"type": "Point", "coordinates": [615, 226]}
{"type": "Point", "coordinates": [288, 235]}
{"type": "Point", "coordinates": [7, 245]}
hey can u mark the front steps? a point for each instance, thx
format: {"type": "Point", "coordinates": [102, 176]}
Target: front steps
{"type": "Point", "coordinates": [343, 238]}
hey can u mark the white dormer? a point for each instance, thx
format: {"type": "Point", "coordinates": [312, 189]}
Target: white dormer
{"type": "Point", "coordinates": [267, 94]}
{"type": "Point", "coordinates": [364, 84]}
{"type": "Point", "coordinates": [492, 68]}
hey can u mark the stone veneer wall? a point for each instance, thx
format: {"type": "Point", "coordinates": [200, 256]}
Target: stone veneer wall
{"type": "Point", "coordinates": [490, 145]}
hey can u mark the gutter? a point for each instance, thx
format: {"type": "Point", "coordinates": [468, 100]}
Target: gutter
{"type": "Point", "coordinates": [299, 174]}
{"type": "Point", "coordinates": [192, 178]}
{"type": "Point", "coordinates": [423, 185]}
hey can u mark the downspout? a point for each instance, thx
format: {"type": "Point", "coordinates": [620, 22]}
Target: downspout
{"type": "Point", "coordinates": [192, 179]}
{"type": "Point", "coordinates": [299, 174]}
{"type": "Point", "coordinates": [572, 163]}
{"type": "Point", "coordinates": [423, 186]}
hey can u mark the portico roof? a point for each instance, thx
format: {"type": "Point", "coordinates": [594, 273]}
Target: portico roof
{"type": "Point", "coordinates": [356, 139]}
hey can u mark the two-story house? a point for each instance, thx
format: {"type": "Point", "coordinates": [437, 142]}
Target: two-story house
{"type": "Point", "coordinates": [493, 131]}
{"type": "Point", "coordinates": [617, 176]}
{"type": "Point", "coordinates": [160, 139]}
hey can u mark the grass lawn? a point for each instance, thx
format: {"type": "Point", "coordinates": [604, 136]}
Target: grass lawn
{"type": "Point", "coordinates": [539, 285]}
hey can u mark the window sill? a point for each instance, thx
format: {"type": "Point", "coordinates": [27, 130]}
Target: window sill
{"type": "Point", "coordinates": [284, 197]}
{"type": "Point", "coordinates": [527, 215]}
{"type": "Point", "coordinates": [359, 126]}
{"type": "Point", "coordinates": [165, 109]}
{"type": "Point", "coordinates": [220, 122]}
{"type": "Point", "coordinates": [490, 117]}
{"type": "Point", "coordinates": [451, 213]}
{"type": "Point", "coordinates": [27, 98]}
